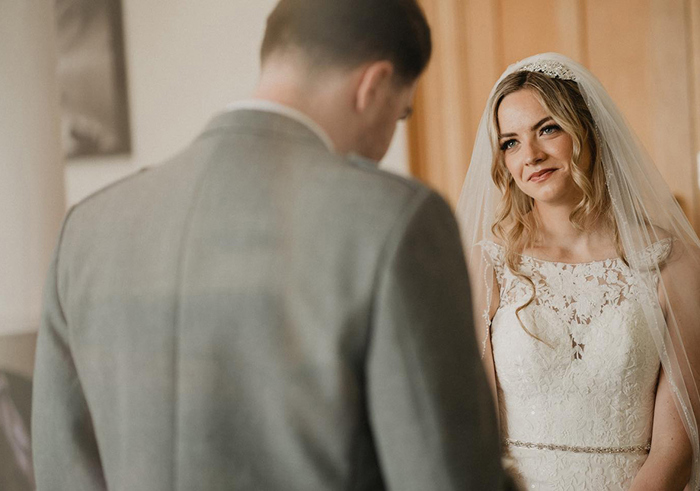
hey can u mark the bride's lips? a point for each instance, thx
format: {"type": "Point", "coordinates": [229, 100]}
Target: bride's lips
{"type": "Point", "coordinates": [541, 175]}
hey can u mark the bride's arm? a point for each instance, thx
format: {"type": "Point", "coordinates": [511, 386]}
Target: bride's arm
{"type": "Point", "coordinates": [487, 359]}
{"type": "Point", "coordinates": [485, 301]}
{"type": "Point", "coordinates": [668, 465]}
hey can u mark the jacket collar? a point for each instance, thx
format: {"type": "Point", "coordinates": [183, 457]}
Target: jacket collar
{"type": "Point", "coordinates": [267, 116]}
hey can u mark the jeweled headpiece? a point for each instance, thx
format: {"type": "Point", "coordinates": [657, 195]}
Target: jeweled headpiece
{"type": "Point", "coordinates": [551, 68]}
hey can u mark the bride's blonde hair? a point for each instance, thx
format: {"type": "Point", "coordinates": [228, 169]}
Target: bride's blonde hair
{"type": "Point", "coordinates": [515, 224]}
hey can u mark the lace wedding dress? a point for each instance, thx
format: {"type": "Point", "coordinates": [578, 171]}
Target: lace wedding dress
{"type": "Point", "coordinates": [576, 415]}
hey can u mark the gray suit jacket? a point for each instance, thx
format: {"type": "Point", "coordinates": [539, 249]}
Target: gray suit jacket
{"type": "Point", "coordinates": [260, 314]}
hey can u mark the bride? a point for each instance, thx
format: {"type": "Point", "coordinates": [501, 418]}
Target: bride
{"type": "Point", "coordinates": [586, 277]}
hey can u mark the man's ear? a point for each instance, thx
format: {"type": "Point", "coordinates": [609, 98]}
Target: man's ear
{"type": "Point", "coordinates": [374, 82]}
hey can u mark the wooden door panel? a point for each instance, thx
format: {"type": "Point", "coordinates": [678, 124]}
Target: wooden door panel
{"type": "Point", "coordinates": [539, 26]}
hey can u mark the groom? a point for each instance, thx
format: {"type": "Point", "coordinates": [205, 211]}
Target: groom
{"type": "Point", "coordinates": [268, 311]}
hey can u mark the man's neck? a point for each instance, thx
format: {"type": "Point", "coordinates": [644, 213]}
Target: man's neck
{"type": "Point", "coordinates": [286, 111]}
{"type": "Point", "coordinates": [323, 99]}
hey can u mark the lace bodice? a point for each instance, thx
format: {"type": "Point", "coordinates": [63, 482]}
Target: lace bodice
{"type": "Point", "coordinates": [576, 407]}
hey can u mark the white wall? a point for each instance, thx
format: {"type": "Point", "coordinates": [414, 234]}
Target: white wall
{"type": "Point", "coordinates": [185, 61]}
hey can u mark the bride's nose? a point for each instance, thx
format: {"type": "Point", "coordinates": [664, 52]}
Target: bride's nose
{"type": "Point", "coordinates": [532, 152]}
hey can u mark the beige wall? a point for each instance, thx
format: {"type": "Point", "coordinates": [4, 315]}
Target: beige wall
{"type": "Point", "coordinates": [185, 62]}
{"type": "Point", "coordinates": [694, 26]}
{"type": "Point", "coordinates": [31, 191]}
{"type": "Point", "coordinates": [31, 170]}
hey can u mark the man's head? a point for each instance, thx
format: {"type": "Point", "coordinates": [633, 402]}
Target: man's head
{"type": "Point", "coordinates": [352, 65]}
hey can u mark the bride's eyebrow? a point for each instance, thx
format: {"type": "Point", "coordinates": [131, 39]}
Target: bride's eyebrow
{"type": "Point", "coordinates": [534, 127]}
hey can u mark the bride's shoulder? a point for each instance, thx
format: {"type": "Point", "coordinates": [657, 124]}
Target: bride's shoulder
{"type": "Point", "coordinates": [492, 247]}
{"type": "Point", "coordinates": [658, 249]}
{"type": "Point", "coordinates": [677, 252]}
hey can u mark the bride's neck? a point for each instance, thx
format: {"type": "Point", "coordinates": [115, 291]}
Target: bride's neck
{"type": "Point", "coordinates": [555, 229]}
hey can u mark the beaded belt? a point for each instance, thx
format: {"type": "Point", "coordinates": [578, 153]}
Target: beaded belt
{"type": "Point", "coordinates": [569, 448]}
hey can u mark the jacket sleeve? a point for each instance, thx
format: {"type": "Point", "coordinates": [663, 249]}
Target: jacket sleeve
{"type": "Point", "coordinates": [64, 445]}
{"type": "Point", "coordinates": [429, 405]}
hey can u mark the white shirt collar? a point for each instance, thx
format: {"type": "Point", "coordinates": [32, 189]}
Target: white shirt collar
{"type": "Point", "coordinates": [276, 108]}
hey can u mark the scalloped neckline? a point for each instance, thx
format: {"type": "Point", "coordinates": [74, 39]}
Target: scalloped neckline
{"type": "Point", "coordinates": [587, 263]}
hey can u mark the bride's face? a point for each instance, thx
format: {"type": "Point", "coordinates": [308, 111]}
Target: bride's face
{"type": "Point", "coordinates": [536, 150]}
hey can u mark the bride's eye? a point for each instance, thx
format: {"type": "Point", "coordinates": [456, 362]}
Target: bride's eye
{"type": "Point", "coordinates": [550, 129]}
{"type": "Point", "coordinates": [507, 145]}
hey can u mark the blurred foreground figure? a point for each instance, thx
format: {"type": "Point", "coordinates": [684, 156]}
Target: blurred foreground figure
{"type": "Point", "coordinates": [268, 310]}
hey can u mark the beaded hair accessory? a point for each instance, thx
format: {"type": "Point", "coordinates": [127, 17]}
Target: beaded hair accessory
{"type": "Point", "coordinates": [551, 68]}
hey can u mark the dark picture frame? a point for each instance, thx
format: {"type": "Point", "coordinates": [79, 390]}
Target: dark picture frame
{"type": "Point", "coordinates": [92, 78]}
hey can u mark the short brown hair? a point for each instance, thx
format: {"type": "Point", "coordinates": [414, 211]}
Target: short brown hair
{"type": "Point", "coordinates": [352, 32]}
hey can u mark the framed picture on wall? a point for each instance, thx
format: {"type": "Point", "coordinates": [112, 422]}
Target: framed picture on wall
{"type": "Point", "coordinates": [92, 78]}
